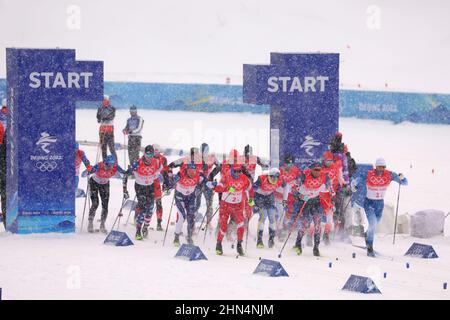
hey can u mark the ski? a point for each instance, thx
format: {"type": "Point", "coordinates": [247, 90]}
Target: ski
{"type": "Point", "coordinates": [377, 254]}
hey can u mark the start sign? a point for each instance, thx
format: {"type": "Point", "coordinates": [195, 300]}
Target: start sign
{"type": "Point", "coordinates": [303, 92]}
{"type": "Point", "coordinates": [43, 86]}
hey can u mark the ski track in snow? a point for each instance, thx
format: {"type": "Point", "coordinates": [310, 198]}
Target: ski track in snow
{"type": "Point", "coordinates": [79, 266]}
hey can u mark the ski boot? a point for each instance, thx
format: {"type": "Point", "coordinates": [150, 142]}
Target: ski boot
{"type": "Point", "coordinates": [271, 236]}
{"type": "Point", "coordinates": [316, 251]}
{"type": "Point", "coordinates": [219, 250]}
{"type": "Point", "coordinates": [239, 248]}
{"type": "Point", "coordinates": [259, 242]}
{"type": "Point", "coordinates": [326, 239]}
{"type": "Point", "coordinates": [176, 241]}
{"type": "Point", "coordinates": [189, 240]}
{"type": "Point", "coordinates": [138, 235]}
{"type": "Point", "coordinates": [90, 227]}
{"type": "Point", "coordinates": [102, 227]}
{"type": "Point", "coordinates": [370, 252]}
{"type": "Point", "coordinates": [298, 246]}
{"type": "Point", "coordinates": [145, 231]}
{"type": "Point", "coordinates": [159, 227]}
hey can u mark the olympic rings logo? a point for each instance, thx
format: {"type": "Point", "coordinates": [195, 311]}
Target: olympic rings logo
{"type": "Point", "coordinates": [146, 171]}
{"type": "Point", "coordinates": [378, 180]}
{"type": "Point", "coordinates": [46, 166]}
{"type": "Point", "coordinates": [314, 183]}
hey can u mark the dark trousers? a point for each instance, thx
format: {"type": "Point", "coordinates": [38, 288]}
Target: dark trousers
{"type": "Point", "coordinates": [339, 215]}
{"type": "Point", "coordinates": [3, 199]}
{"type": "Point", "coordinates": [146, 201]}
{"type": "Point", "coordinates": [95, 190]}
{"type": "Point", "coordinates": [134, 146]}
{"type": "Point", "coordinates": [107, 140]}
{"type": "Point", "coordinates": [208, 194]}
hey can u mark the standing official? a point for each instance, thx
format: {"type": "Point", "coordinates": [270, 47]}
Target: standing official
{"type": "Point", "coordinates": [105, 116]}
{"type": "Point", "coordinates": [134, 131]}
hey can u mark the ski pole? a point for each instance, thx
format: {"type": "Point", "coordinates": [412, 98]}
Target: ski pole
{"type": "Point", "coordinates": [248, 227]}
{"type": "Point", "coordinates": [201, 223]}
{"type": "Point", "coordinates": [100, 143]}
{"type": "Point", "coordinates": [396, 213]}
{"type": "Point", "coordinates": [85, 201]}
{"type": "Point", "coordinates": [293, 227]}
{"type": "Point", "coordinates": [124, 152]}
{"type": "Point", "coordinates": [118, 216]}
{"type": "Point", "coordinates": [338, 226]}
{"type": "Point", "coordinates": [131, 208]}
{"type": "Point", "coordinates": [168, 220]}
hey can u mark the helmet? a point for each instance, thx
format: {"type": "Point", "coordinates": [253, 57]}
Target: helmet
{"type": "Point", "coordinates": [149, 151]}
{"type": "Point", "coordinates": [105, 97]}
{"type": "Point", "coordinates": [236, 167]}
{"type": "Point", "coordinates": [4, 103]}
{"type": "Point", "coordinates": [110, 160]}
{"type": "Point", "coordinates": [289, 159]}
{"type": "Point", "coordinates": [328, 155]}
{"type": "Point", "coordinates": [380, 162]}
{"type": "Point", "coordinates": [248, 150]}
{"type": "Point", "coordinates": [133, 109]}
{"type": "Point", "coordinates": [338, 134]}
{"type": "Point", "coordinates": [77, 145]}
{"type": "Point", "coordinates": [274, 172]}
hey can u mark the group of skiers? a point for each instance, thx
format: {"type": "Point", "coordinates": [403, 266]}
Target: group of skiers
{"type": "Point", "coordinates": [291, 198]}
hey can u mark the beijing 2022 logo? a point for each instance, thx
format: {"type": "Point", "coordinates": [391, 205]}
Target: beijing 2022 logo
{"type": "Point", "coordinates": [46, 163]}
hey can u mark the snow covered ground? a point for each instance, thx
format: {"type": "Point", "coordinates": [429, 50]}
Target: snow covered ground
{"type": "Point", "coordinates": [79, 266]}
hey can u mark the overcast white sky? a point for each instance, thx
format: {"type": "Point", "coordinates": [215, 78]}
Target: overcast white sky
{"type": "Point", "coordinates": [403, 43]}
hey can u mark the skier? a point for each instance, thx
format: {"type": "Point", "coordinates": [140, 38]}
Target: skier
{"type": "Point", "coordinates": [134, 131]}
{"type": "Point", "coordinates": [105, 116]}
{"type": "Point", "coordinates": [146, 173]}
{"type": "Point", "coordinates": [264, 191]}
{"type": "Point", "coordinates": [337, 147]}
{"type": "Point", "coordinates": [249, 168]}
{"type": "Point", "coordinates": [3, 143]}
{"type": "Point", "coordinates": [232, 185]}
{"type": "Point", "coordinates": [167, 174]}
{"type": "Point", "coordinates": [209, 162]}
{"type": "Point", "coordinates": [80, 156]}
{"type": "Point", "coordinates": [311, 183]}
{"type": "Point", "coordinates": [289, 172]}
{"type": "Point", "coordinates": [225, 168]}
{"type": "Point", "coordinates": [327, 199]}
{"type": "Point", "coordinates": [188, 183]}
{"type": "Point", "coordinates": [376, 182]}
{"type": "Point", "coordinates": [99, 184]}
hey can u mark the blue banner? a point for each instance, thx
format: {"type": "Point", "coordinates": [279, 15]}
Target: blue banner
{"type": "Point", "coordinates": [43, 85]}
{"type": "Point", "coordinates": [303, 91]}
{"type": "Point", "coordinates": [383, 105]}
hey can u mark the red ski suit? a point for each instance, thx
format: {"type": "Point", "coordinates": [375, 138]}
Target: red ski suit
{"type": "Point", "coordinates": [232, 203]}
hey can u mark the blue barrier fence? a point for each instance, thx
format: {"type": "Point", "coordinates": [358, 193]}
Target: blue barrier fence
{"type": "Point", "coordinates": [393, 106]}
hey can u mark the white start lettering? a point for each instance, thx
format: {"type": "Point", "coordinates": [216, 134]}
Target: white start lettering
{"type": "Point", "coordinates": [53, 80]}
{"type": "Point", "coordinates": [297, 84]}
